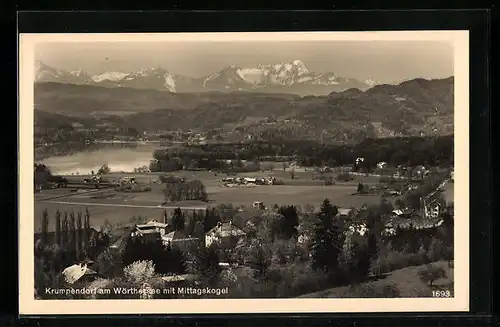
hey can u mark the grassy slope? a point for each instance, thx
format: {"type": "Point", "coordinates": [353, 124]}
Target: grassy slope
{"type": "Point", "coordinates": [406, 280]}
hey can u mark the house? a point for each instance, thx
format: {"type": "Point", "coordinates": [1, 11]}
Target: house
{"type": "Point", "coordinates": [79, 272]}
{"type": "Point", "coordinates": [151, 231]}
{"type": "Point", "coordinates": [419, 171]}
{"type": "Point", "coordinates": [433, 209]}
{"type": "Point", "coordinates": [271, 180]}
{"type": "Point", "coordinates": [406, 218]}
{"type": "Point", "coordinates": [432, 206]}
{"type": "Point", "coordinates": [127, 180]}
{"type": "Point", "coordinates": [223, 232]}
{"type": "Point", "coordinates": [179, 279]}
{"type": "Point", "coordinates": [179, 240]}
{"type": "Point", "coordinates": [360, 229]}
{"type": "Point", "coordinates": [303, 238]}
{"type": "Point", "coordinates": [258, 205]}
{"type": "Point", "coordinates": [382, 165]}
{"type": "Point", "coordinates": [303, 234]}
{"type": "Point", "coordinates": [345, 212]}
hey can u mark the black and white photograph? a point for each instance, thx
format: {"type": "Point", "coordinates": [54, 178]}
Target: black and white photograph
{"type": "Point", "coordinates": [239, 166]}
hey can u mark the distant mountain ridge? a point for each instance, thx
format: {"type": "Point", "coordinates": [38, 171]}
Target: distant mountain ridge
{"type": "Point", "coordinates": [282, 77]}
{"type": "Point", "coordinates": [414, 106]}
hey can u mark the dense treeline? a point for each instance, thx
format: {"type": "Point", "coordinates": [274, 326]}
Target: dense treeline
{"type": "Point", "coordinates": [395, 151]}
{"type": "Point", "coordinates": [182, 191]}
{"type": "Point", "coordinates": [73, 240]}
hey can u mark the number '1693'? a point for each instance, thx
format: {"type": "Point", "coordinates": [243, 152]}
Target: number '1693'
{"type": "Point", "coordinates": [446, 293]}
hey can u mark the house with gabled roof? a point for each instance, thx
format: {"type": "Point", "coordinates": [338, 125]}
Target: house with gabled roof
{"type": "Point", "coordinates": [432, 206]}
{"type": "Point", "coordinates": [345, 212]}
{"type": "Point", "coordinates": [151, 231]}
{"type": "Point", "coordinates": [180, 240]}
{"type": "Point", "coordinates": [222, 232]}
{"type": "Point", "coordinates": [79, 273]}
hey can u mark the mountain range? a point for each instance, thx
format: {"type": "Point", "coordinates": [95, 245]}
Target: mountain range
{"type": "Point", "coordinates": [293, 77]}
{"type": "Point", "coordinates": [413, 106]}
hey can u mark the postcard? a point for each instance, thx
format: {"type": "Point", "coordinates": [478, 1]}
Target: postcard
{"type": "Point", "coordinates": [243, 172]}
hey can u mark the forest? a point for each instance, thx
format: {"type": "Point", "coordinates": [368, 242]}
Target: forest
{"type": "Point", "coordinates": [409, 151]}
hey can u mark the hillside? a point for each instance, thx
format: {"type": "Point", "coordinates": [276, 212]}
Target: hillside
{"type": "Point", "coordinates": [85, 100]}
{"type": "Point", "coordinates": [410, 108]}
{"type": "Point", "coordinates": [406, 281]}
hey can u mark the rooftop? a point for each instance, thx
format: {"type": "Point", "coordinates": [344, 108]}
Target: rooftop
{"type": "Point", "coordinates": [152, 224]}
{"type": "Point", "coordinates": [75, 272]}
{"type": "Point", "coordinates": [345, 211]}
{"type": "Point", "coordinates": [178, 278]}
{"type": "Point", "coordinates": [226, 229]}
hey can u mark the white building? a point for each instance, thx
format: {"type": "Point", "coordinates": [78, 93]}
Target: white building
{"type": "Point", "coordinates": [382, 165]}
{"type": "Point", "coordinates": [221, 232]}
{"type": "Point", "coordinates": [152, 230]}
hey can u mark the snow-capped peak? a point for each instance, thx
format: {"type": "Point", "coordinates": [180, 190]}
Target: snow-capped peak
{"type": "Point", "coordinates": [78, 72]}
{"type": "Point", "coordinates": [44, 72]}
{"type": "Point", "coordinates": [110, 76]}
{"type": "Point", "coordinates": [283, 73]}
{"type": "Point", "coordinates": [169, 82]}
{"type": "Point", "coordinates": [370, 82]}
{"type": "Point", "coordinates": [289, 76]}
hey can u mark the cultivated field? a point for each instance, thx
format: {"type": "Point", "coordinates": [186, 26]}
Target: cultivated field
{"type": "Point", "coordinates": [118, 207]}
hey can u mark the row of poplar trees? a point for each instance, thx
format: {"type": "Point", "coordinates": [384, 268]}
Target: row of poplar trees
{"type": "Point", "coordinates": [73, 233]}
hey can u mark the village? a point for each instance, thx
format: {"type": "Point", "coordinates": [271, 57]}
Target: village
{"type": "Point", "coordinates": [228, 228]}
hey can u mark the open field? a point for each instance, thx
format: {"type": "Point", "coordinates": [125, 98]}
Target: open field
{"type": "Point", "coordinates": [209, 177]}
{"type": "Point", "coordinates": [119, 207]}
{"type": "Point", "coordinates": [406, 280]}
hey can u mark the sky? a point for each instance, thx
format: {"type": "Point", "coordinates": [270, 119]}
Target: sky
{"type": "Point", "coordinates": [382, 61]}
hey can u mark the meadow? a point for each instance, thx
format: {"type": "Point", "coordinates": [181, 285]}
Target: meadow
{"type": "Point", "coordinates": [406, 281]}
{"type": "Point", "coordinates": [119, 208]}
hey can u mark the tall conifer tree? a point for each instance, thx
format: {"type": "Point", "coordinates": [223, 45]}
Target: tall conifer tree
{"type": "Point", "coordinates": [327, 240]}
{"type": "Point", "coordinates": [58, 228]}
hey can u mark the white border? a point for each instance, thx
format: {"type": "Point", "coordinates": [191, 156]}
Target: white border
{"type": "Point", "coordinates": [29, 306]}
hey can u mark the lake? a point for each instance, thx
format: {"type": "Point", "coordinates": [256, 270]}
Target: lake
{"type": "Point", "coordinates": [117, 157]}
